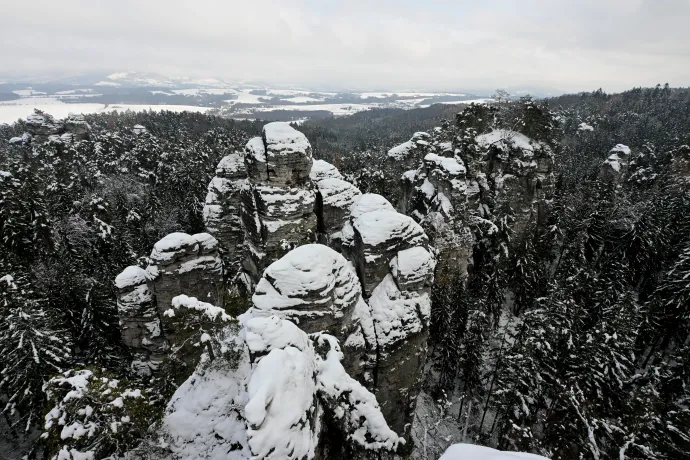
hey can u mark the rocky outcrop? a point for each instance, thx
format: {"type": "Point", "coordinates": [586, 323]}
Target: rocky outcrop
{"type": "Point", "coordinates": [519, 171]}
{"type": "Point", "coordinates": [405, 157]}
{"type": "Point", "coordinates": [189, 264]}
{"type": "Point", "coordinates": [615, 167]}
{"type": "Point", "coordinates": [334, 199]}
{"type": "Point", "coordinates": [140, 324]}
{"type": "Point", "coordinates": [43, 127]}
{"type": "Point", "coordinates": [360, 305]}
{"type": "Point", "coordinates": [271, 391]}
{"type": "Point", "coordinates": [278, 199]}
{"type": "Point", "coordinates": [222, 210]}
{"type": "Point", "coordinates": [436, 196]}
{"type": "Point", "coordinates": [179, 263]}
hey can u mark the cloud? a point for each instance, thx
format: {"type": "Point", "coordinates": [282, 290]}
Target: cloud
{"type": "Point", "coordinates": [566, 44]}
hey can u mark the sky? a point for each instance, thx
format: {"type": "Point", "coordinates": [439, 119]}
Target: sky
{"type": "Point", "coordinates": [553, 45]}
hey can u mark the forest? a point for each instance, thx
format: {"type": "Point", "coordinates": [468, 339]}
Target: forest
{"type": "Point", "coordinates": [569, 337]}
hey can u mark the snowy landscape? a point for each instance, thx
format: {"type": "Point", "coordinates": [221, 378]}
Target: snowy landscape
{"type": "Point", "coordinates": [345, 230]}
{"type": "Point", "coordinates": [131, 91]}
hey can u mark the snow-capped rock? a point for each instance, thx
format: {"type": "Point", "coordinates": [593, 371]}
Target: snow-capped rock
{"type": "Point", "coordinates": [140, 326]}
{"type": "Point", "coordinates": [616, 165]}
{"type": "Point", "coordinates": [269, 393]}
{"type": "Point", "coordinates": [223, 207]}
{"type": "Point", "coordinates": [405, 157]}
{"type": "Point", "coordinates": [474, 452]}
{"type": "Point", "coordinates": [44, 127]}
{"type": "Point", "coordinates": [185, 264]}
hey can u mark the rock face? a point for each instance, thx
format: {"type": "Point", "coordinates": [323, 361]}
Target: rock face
{"type": "Point", "coordinates": [223, 207]}
{"type": "Point", "coordinates": [271, 392]}
{"type": "Point", "coordinates": [519, 171]}
{"type": "Point", "coordinates": [140, 324]}
{"type": "Point", "coordinates": [334, 199]}
{"type": "Point", "coordinates": [179, 263]}
{"type": "Point", "coordinates": [278, 199]}
{"type": "Point", "coordinates": [43, 127]}
{"type": "Point", "coordinates": [405, 157]}
{"type": "Point", "coordinates": [436, 195]}
{"type": "Point", "coordinates": [189, 264]}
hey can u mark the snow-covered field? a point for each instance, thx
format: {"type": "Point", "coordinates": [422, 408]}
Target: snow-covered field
{"type": "Point", "coordinates": [11, 111]}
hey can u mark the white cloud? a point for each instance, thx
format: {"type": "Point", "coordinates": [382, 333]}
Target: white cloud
{"type": "Point", "coordinates": [565, 44]}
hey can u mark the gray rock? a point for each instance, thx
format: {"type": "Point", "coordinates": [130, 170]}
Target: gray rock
{"type": "Point", "coordinates": [140, 325]}
{"type": "Point", "coordinates": [188, 264]}
{"type": "Point", "coordinates": [222, 210]}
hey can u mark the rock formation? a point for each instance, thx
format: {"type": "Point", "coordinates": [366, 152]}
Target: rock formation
{"type": "Point", "coordinates": [467, 176]}
{"type": "Point", "coordinates": [616, 165]}
{"type": "Point", "coordinates": [362, 296]}
{"type": "Point", "coordinates": [436, 195]}
{"type": "Point", "coordinates": [43, 127]}
{"type": "Point", "coordinates": [223, 207]}
{"type": "Point", "coordinates": [140, 324]}
{"type": "Point", "coordinates": [271, 391]}
{"type": "Point", "coordinates": [278, 199]}
{"type": "Point", "coordinates": [405, 157]}
{"type": "Point", "coordinates": [180, 263]}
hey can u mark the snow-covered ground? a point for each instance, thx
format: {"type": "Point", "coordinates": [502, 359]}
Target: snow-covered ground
{"type": "Point", "coordinates": [240, 102]}
{"type": "Point", "coordinates": [11, 111]}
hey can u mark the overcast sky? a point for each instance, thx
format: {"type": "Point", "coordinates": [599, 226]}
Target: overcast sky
{"type": "Point", "coordinates": [567, 45]}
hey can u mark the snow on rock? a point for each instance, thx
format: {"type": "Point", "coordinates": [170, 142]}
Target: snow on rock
{"type": "Point", "coordinates": [43, 127]}
{"type": "Point", "coordinates": [131, 276]}
{"type": "Point", "coordinates": [205, 416]}
{"type": "Point", "coordinates": [334, 200]}
{"type": "Point", "coordinates": [264, 396]}
{"type": "Point", "coordinates": [288, 155]}
{"type": "Point", "coordinates": [413, 268]}
{"type": "Point", "coordinates": [419, 140]}
{"type": "Point", "coordinates": [139, 321]}
{"type": "Point", "coordinates": [321, 169]}
{"type": "Point", "coordinates": [355, 408]}
{"type": "Point", "coordinates": [616, 165]}
{"type": "Point", "coordinates": [585, 127]}
{"type": "Point", "coordinates": [282, 415]}
{"type": "Point", "coordinates": [378, 236]}
{"type": "Point", "coordinates": [505, 139]}
{"type": "Point", "coordinates": [397, 315]}
{"type": "Point", "coordinates": [405, 157]}
{"type": "Point", "coordinates": [474, 452]}
{"type": "Point", "coordinates": [313, 286]}
{"type": "Point", "coordinates": [211, 312]}
{"type": "Point", "coordinates": [222, 209]}
{"type": "Point", "coordinates": [185, 264]}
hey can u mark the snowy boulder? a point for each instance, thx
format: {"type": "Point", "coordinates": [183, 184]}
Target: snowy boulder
{"type": "Point", "coordinates": [316, 288]}
{"type": "Point", "coordinates": [271, 392]}
{"type": "Point", "coordinates": [378, 236]}
{"type": "Point", "coordinates": [474, 452]}
{"type": "Point", "coordinates": [185, 264]}
{"type": "Point", "coordinates": [222, 210]}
